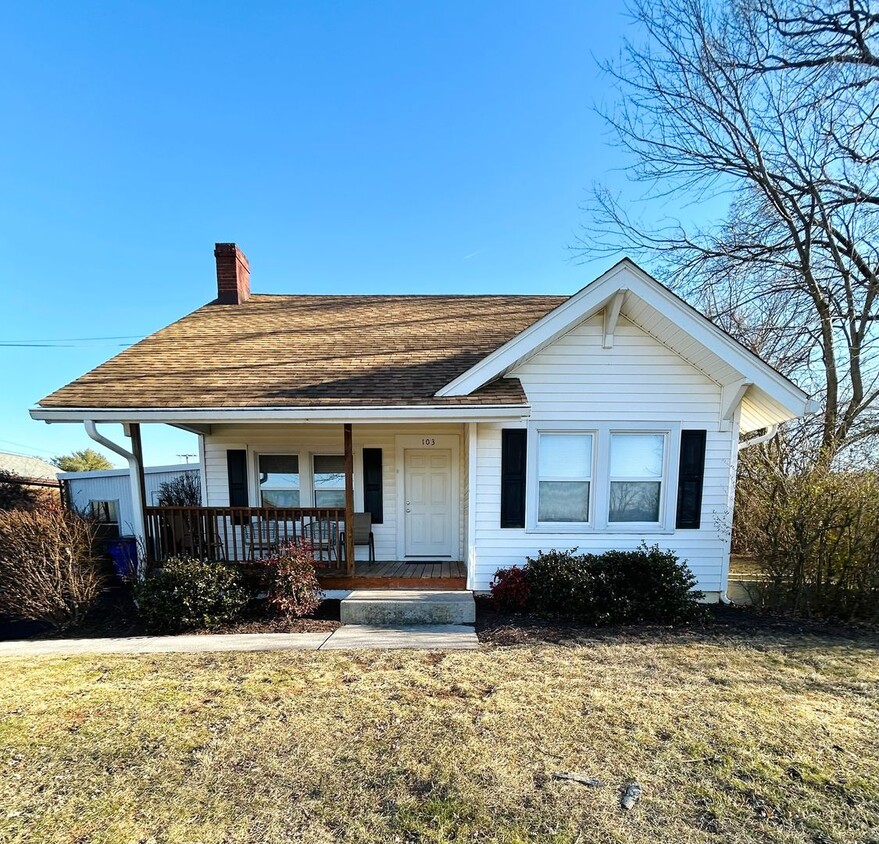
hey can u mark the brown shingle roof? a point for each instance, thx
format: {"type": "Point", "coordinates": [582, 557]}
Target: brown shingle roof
{"type": "Point", "coordinates": [312, 351]}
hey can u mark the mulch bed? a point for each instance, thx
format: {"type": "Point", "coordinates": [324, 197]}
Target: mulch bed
{"type": "Point", "coordinates": [505, 629]}
{"type": "Point", "coordinates": [116, 616]}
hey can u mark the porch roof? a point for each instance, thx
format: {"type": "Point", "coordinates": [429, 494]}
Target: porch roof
{"type": "Point", "coordinates": [278, 351]}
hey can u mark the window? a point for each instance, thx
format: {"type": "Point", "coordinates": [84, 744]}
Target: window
{"type": "Point", "coordinates": [329, 481]}
{"type": "Point", "coordinates": [106, 512]}
{"type": "Point", "coordinates": [564, 469]}
{"type": "Point", "coordinates": [279, 480]}
{"type": "Point", "coordinates": [636, 468]}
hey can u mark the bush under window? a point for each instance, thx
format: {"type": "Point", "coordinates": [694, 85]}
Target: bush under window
{"type": "Point", "coordinates": [646, 585]}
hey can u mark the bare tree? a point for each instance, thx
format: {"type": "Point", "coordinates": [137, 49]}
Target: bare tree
{"type": "Point", "coordinates": [182, 491]}
{"type": "Point", "coordinates": [772, 104]}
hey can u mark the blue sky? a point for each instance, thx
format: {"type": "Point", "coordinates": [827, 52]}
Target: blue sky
{"type": "Point", "coordinates": [346, 147]}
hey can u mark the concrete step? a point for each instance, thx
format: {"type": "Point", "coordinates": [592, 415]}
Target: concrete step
{"type": "Point", "coordinates": [396, 607]}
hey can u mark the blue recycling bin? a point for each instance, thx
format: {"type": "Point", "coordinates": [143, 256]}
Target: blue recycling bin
{"type": "Point", "coordinates": [123, 552]}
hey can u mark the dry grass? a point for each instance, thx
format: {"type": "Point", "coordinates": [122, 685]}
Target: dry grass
{"type": "Point", "coordinates": [732, 741]}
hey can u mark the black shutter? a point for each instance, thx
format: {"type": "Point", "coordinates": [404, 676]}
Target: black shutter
{"type": "Point", "coordinates": [513, 453]}
{"type": "Point", "coordinates": [236, 466]}
{"type": "Point", "coordinates": [372, 484]}
{"type": "Point", "coordinates": [690, 477]}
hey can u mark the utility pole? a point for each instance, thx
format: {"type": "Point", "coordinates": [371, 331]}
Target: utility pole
{"type": "Point", "coordinates": [186, 457]}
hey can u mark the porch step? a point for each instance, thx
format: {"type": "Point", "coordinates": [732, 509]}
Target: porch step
{"type": "Point", "coordinates": [393, 607]}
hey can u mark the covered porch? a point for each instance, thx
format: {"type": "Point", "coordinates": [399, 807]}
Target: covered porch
{"type": "Point", "coordinates": [403, 488]}
{"type": "Point", "coordinates": [249, 534]}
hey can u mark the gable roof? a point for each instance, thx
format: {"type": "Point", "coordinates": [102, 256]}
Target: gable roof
{"type": "Point", "coordinates": [628, 290]}
{"type": "Point", "coordinates": [28, 466]}
{"type": "Point", "coordinates": [312, 351]}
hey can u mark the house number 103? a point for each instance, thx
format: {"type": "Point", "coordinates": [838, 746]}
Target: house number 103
{"type": "Point", "coordinates": [428, 441]}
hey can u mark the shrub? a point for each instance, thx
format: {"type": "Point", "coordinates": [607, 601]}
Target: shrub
{"type": "Point", "coordinates": [814, 532]}
{"type": "Point", "coordinates": [49, 566]}
{"type": "Point", "coordinates": [618, 587]}
{"type": "Point", "coordinates": [510, 590]}
{"type": "Point", "coordinates": [649, 585]}
{"type": "Point", "coordinates": [292, 584]}
{"type": "Point", "coordinates": [186, 593]}
{"type": "Point", "coordinates": [15, 493]}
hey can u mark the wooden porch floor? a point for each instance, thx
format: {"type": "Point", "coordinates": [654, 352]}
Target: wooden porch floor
{"type": "Point", "coordinates": [398, 575]}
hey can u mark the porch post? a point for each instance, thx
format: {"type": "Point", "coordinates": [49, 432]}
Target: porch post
{"type": "Point", "coordinates": [349, 499]}
{"type": "Point", "coordinates": [139, 501]}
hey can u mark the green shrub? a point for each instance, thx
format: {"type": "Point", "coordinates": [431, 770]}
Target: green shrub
{"type": "Point", "coordinates": [291, 583]}
{"type": "Point", "coordinates": [618, 587]}
{"type": "Point", "coordinates": [187, 594]}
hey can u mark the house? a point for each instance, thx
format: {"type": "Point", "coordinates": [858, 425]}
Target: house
{"type": "Point", "coordinates": [475, 430]}
{"type": "Point", "coordinates": [31, 472]}
{"type": "Point", "coordinates": [106, 493]}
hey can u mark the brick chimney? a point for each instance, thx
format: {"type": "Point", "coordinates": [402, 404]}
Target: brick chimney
{"type": "Point", "coordinates": [233, 274]}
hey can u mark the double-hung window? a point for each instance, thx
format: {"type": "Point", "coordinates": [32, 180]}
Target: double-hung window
{"type": "Point", "coordinates": [564, 466]}
{"type": "Point", "coordinates": [637, 462]}
{"type": "Point", "coordinates": [601, 476]}
{"type": "Point", "coordinates": [279, 480]}
{"type": "Point", "coordinates": [329, 480]}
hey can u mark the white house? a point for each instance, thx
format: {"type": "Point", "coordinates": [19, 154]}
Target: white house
{"type": "Point", "coordinates": [475, 430]}
{"type": "Point", "coordinates": [106, 493]}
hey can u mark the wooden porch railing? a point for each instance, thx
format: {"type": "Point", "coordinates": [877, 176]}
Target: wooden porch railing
{"type": "Point", "coordinates": [243, 534]}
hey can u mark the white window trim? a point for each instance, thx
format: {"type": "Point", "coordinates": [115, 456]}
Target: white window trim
{"type": "Point", "coordinates": [311, 473]}
{"type": "Point", "coordinates": [590, 506]}
{"type": "Point", "coordinates": [115, 501]}
{"type": "Point", "coordinates": [304, 472]}
{"type": "Point", "coordinates": [663, 484]}
{"type": "Point", "coordinates": [600, 484]}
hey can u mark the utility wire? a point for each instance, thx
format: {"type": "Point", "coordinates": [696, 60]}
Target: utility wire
{"type": "Point", "coordinates": [70, 342]}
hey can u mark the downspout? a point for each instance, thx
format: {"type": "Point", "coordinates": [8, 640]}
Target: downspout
{"type": "Point", "coordinates": [771, 431]}
{"type": "Point", "coordinates": [134, 479]}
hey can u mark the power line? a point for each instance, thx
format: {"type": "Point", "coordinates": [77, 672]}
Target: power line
{"type": "Point", "coordinates": [29, 447]}
{"type": "Point", "coordinates": [80, 339]}
{"type": "Point", "coordinates": [62, 345]}
{"type": "Point", "coordinates": [70, 342]}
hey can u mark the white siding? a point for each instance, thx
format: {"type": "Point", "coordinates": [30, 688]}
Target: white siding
{"type": "Point", "coordinates": [307, 439]}
{"type": "Point", "coordinates": [637, 380]}
{"type": "Point", "coordinates": [114, 485]}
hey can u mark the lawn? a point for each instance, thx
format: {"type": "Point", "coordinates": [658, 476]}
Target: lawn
{"type": "Point", "coordinates": [734, 738]}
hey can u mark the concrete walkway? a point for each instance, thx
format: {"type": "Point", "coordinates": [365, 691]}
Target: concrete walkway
{"type": "Point", "coordinates": [350, 636]}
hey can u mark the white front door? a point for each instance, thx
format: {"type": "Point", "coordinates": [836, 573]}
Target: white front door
{"type": "Point", "coordinates": [428, 502]}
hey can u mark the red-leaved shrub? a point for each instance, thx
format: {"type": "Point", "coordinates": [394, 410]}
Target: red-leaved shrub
{"type": "Point", "coordinates": [510, 590]}
{"type": "Point", "coordinates": [293, 588]}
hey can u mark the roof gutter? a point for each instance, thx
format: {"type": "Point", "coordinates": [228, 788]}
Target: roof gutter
{"type": "Point", "coordinates": [377, 414]}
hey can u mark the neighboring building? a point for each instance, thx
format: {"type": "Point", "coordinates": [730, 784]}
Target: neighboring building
{"type": "Point", "coordinates": [106, 493]}
{"type": "Point", "coordinates": [476, 430]}
{"type": "Point", "coordinates": [32, 471]}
